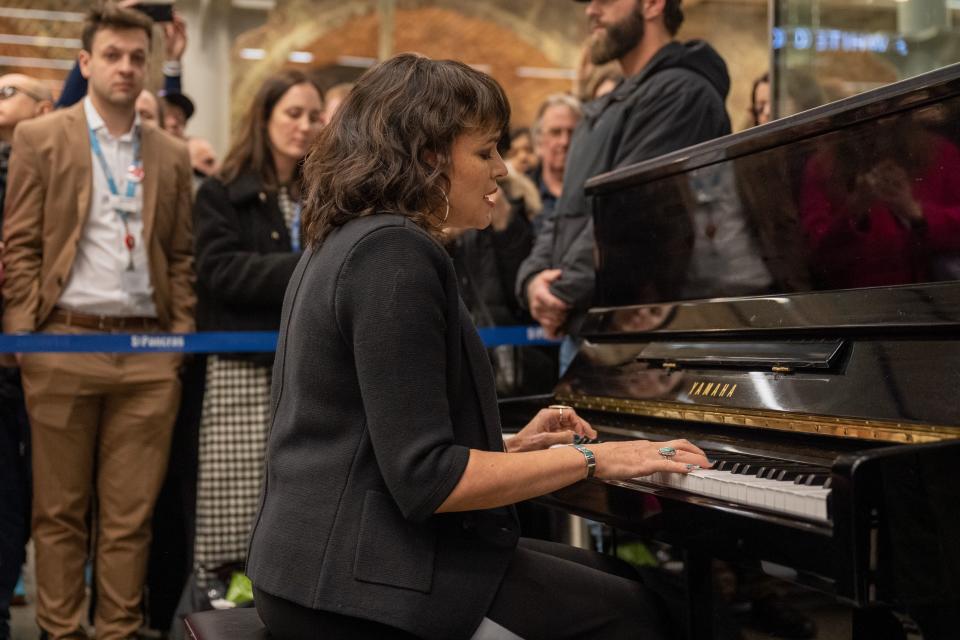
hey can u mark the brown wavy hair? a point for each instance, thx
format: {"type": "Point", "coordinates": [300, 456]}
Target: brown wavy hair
{"type": "Point", "coordinates": [107, 15]}
{"type": "Point", "coordinates": [250, 151]}
{"type": "Point", "coordinates": [387, 149]}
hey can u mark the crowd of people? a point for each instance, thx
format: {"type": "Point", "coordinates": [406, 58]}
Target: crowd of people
{"type": "Point", "coordinates": [114, 220]}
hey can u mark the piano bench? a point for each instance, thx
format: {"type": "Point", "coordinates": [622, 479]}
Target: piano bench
{"type": "Point", "coordinates": [230, 624]}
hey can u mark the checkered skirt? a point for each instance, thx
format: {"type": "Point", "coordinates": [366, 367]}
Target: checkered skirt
{"type": "Point", "coordinates": [233, 439]}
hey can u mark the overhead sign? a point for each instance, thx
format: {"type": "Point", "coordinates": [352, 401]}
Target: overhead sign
{"type": "Point", "coordinates": [820, 40]}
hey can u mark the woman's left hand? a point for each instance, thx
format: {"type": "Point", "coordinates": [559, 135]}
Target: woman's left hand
{"type": "Point", "coordinates": [553, 425]}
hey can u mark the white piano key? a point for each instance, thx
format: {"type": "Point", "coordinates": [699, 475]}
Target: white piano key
{"type": "Point", "coordinates": [783, 496]}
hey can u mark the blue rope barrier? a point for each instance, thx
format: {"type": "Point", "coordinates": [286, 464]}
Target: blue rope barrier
{"type": "Point", "coordinates": [210, 342]}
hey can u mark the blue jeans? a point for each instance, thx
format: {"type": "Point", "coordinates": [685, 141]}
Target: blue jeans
{"type": "Point", "coordinates": [14, 490]}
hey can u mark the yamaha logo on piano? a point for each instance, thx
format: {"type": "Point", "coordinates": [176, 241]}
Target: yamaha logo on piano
{"type": "Point", "coordinates": [712, 390]}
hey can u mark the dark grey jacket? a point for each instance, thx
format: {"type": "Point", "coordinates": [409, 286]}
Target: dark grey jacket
{"type": "Point", "coordinates": [676, 101]}
{"type": "Point", "coordinates": [381, 386]}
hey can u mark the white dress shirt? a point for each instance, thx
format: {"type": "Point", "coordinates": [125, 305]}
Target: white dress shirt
{"type": "Point", "coordinates": [100, 282]}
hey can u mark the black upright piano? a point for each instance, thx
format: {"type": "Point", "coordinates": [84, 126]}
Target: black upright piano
{"type": "Point", "coordinates": [788, 298]}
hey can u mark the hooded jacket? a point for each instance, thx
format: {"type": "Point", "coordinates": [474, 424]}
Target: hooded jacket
{"type": "Point", "coordinates": [677, 100]}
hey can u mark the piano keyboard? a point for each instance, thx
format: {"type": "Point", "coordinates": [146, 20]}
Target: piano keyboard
{"type": "Point", "coordinates": [785, 487]}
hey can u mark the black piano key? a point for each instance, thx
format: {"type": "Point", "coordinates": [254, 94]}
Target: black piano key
{"type": "Point", "coordinates": [727, 462]}
{"type": "Point", "coordinates": [787, 475]}
{"type": "Point", "coordinates": [788, 468]}
{"type": "Point", "coordinates": [748, 468]}
{"type": "Point", "coordinates": [772, 471]}
{"type": "Point", "coordinates": [769, 469]}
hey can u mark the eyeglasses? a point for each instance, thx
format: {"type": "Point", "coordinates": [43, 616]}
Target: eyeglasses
{"type": "Point", "coordinates": [8, 91]}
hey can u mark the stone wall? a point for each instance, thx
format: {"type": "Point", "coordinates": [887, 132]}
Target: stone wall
{"type": "Point", "coordinates": [497, 35]}
{"type": "Point", "coordinates": [501, 35]}
{"type": "Point", "coordinates": [64, 34]}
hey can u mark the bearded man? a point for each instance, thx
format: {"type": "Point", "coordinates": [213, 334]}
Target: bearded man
{"type": "Point", "coordinates": [672, 96]}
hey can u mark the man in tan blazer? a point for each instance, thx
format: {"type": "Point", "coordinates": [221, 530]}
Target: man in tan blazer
{"type": "Point", "coordinates": [98, 239]}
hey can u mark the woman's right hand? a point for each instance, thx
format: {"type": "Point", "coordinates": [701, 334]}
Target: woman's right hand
{"type": "Point", "coordinates": [627, 459]}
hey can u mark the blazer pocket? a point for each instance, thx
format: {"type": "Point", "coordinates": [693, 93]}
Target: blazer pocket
{"type": "Point", "coordinates": [392, 550]}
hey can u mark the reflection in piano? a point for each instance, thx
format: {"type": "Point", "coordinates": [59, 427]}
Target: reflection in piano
{"type": "Point", "coordinates": [787, 298]}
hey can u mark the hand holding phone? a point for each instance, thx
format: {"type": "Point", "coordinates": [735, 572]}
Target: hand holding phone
{"type": "Point", "coordinates": [158, 10]}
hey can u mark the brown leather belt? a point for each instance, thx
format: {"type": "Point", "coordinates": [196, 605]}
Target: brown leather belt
{"type": "Point", "coordinates": [103, 323]}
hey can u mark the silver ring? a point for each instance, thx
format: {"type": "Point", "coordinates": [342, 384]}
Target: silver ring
{"type": "Point", "coordinates": [667, 452]}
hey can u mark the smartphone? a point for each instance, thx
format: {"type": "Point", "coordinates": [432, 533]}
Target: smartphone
{"type": "Point", "coordinates": [158, 11]}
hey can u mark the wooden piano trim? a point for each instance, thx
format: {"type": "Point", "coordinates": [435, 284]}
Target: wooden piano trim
{"type": "Point", "coordinates": [875, 430]}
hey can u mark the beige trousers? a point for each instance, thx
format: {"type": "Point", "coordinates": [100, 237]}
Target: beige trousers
{"type": "Point", "coordinates": [101, 425]}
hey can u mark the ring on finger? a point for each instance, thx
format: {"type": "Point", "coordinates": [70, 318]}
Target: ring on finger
{"type": "Point", "coordinates": [667, 452]}
{"type": "Point", "coordinates": [560, 408]}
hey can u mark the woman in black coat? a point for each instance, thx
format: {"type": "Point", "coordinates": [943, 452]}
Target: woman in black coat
{"type": "Point", "coordinates": [248, 240]}
{"type": "Point", "coordinates": [387, 504]}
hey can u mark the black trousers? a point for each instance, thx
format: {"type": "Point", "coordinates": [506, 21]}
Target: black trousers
{"type": "Point", "coordinates": [171, 546]}
{"type": "Point", "coordinates": [14, 489]}
{"type": "Point", "coordinates": [550, 591]}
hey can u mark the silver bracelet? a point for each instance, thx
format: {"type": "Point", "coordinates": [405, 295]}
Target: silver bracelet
{"type": "Point", "coordinates": [591, 459]}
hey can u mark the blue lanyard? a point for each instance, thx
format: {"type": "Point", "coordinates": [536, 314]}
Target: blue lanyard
{"type": "Point", "coordinates": [129, 240]}
{"type": "Point", "coordinates": [295, 229]}
{"type": "Point", "coordinates": [111, 183]}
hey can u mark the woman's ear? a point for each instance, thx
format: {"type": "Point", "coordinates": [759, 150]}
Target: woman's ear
{"type": "Point", "coordinates": [431, 158]}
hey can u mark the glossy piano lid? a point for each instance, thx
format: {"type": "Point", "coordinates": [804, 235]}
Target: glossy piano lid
{"type": "Point", "coordinates": [860, 198]}
{"type": "Point", "coordinates": [930, 308]}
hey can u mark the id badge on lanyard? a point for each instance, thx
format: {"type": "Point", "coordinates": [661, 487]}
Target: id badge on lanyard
{"type": "Point", "coordinates": [126, 206]}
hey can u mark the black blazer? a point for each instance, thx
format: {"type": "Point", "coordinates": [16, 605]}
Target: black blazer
{"type": "Point", "coordinates": [381, 385]}
{"type": "Point", "coordinates": [244, 257]}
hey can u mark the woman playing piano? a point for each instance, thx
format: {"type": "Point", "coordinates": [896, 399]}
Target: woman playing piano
{"type": "Point", "coordinates": [387, 506]}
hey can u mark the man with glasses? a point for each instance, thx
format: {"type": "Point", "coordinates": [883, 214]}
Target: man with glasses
{"type": "Point", "coordinates": [21, 98]}
{"type": "Point", "coordinates": [557, 118]}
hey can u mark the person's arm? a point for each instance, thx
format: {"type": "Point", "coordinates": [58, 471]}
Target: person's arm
{"type": "Point", "coordinates": [392, 308]}
{"type": "Point", "coordinates": [538, 260]}
{"type": "Point", "coordinates": [171, 78]}
{"type": "Point", "coordinates": [226, 267]}
{"type": "Point", "coordinates": [579, 272]}
{"type": "Point", "coordinates": [493, 479]}
{"type": "Point", "coordinates": [534, 279]}
{"type": "Point", "coordinates": [180, 261]}
{"type": "Point", "coordinates": [74, 88]}
{"type": "Point", "coordinates": [175, 44]}
{"type": "Point", "coordinates": [23, 235]}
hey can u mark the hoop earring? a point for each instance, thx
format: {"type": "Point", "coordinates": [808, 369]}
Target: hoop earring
{"type": "Point", "coordinates": [447, 212]}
